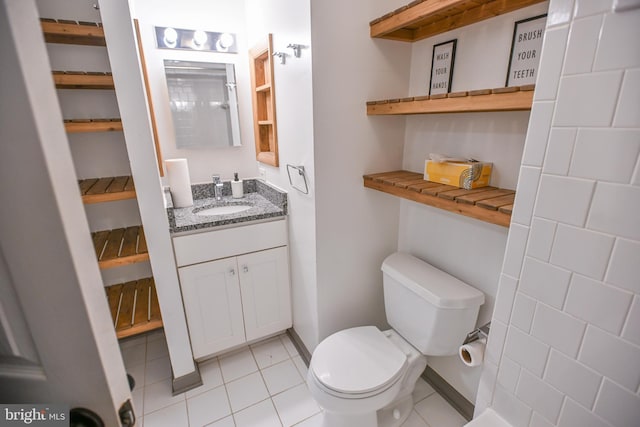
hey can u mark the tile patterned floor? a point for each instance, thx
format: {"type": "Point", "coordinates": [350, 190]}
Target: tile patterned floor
{"type": "Point", "coordinates": [259, 386]}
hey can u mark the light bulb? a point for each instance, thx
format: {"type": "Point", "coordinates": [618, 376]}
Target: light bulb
{"type": "Point", "coordinates": [225, 41]}
{"type": "Point", "coordinates": [170, 37]}
{"type": "Point", "coordinates": [199, 38]}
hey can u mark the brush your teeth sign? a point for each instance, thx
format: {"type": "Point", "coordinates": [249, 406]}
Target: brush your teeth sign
{"type": "Point", "coordinates": [525, 51]}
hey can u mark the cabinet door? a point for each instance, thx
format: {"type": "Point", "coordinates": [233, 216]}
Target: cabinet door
{"type": "Point", "coordinates": [211, 294]}
{"type": "Point", "coordinates": [266, 295]}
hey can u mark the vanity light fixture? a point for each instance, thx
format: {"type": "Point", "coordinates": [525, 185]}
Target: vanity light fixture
{"type": "Point", "coordinates": [207, 41]}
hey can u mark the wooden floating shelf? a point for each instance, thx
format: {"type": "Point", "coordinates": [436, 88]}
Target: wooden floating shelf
{"type": "Point", "coordinates": [92, 125]}
{"type": "Point", "coordinates": [421, 19]}
{"type": "Point", "coordinates": [134, 307]}
{"type": "Point", "coordinates": [109, 189]}
{"type": "Point", "coordinates": [73, 32]}
{"type": "Point", "coordinates": [82, 80]}
{"type": "Point", "coordinates": [501, 99]}
{"type": "Point", "coordinates": [489, 204]}
{"type": "Point", "coordinates": [121, 246]}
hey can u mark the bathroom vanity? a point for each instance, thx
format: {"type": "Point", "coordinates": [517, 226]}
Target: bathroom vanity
{"type": "Point", "coordinates": [232, 259]}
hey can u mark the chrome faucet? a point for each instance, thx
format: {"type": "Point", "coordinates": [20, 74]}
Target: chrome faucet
{"type": "Point", "coordinates": [217, 186]}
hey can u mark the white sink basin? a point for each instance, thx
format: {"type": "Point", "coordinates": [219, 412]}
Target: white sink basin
{"type": "Point", "coordinates": [223, 210]}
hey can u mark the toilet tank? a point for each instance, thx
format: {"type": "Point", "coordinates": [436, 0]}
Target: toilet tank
{"type": "Point", "coordinates": [431, 309]}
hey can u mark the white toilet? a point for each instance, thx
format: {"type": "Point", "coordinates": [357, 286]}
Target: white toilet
{"type": "Point", "coordinates": [364, 377]}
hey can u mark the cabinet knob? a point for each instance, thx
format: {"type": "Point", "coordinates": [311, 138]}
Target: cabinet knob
{"type": "Point", "coordinates": [232, 271]}
{"type": "Point", "coordinates": [245, 268]}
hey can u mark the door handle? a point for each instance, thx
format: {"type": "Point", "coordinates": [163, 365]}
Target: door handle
{"type": "Point", "coordinates": [232, 272]}
{"type": "Point", "coordinates": [245, 268]}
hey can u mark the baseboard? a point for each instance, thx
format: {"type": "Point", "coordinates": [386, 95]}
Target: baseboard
{"type": "Point", "coordinates": [450, 394]}
{"type": "Point", "coordinates": [187, 382]}
{"type": "Point", "coordinates": [305, 354]}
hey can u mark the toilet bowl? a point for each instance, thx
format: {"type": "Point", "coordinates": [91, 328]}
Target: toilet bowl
{"type": "Point", "coordinates": [364, 377]}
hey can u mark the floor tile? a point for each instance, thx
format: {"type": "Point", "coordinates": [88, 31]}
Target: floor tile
{"type": "Point", "coordinates": [208, 407]}
{"type": "Point", "coordinates": [134, 355]}
{"type": "Point", "coordinates": [314, 421]}
{"type": "Point", "coordinates": [211, 377]}
{"type": "Point", "coordinates": [281, 377]}
{"type": "Point", "coordinates": [269, 352]}
{"type": "Point", "coordinates": [237, 365]}
{"type": "Point", "coordinates": [422, 390]}
{"type": "Point", "coordinates": [157, 348]}
{"type": "Point", "coordinates": [288, 344]}
{"type": "Point", "coordinates": [132, 341]}
{"type": "Point", "coordinates": [302, 367]}
{"type": "Point", "coordinates": [437, 412]}
{"type": "Point", "coordinates": [295, 405]}
{"type": "Point", "coordinates": [262, 414]}
{"type": "Point", "coordinates": [159, 395]}
{"type": "Point", "coordinates": [137, 396]}
{"type": "Point", "coordinates": [137, 372]}
{"type": "Point", "coordinates": [225, 422]}
{"type": "Point", "coordinates": [415, 420]}
{"type": "Point", "coordinates": [156, 335]}
{"type": "Point", "coordinates": [157, 370]}
{"type": "Point", "coordinates": [246, 391]}
{"type": "Point", "coordinates": [171, 416]}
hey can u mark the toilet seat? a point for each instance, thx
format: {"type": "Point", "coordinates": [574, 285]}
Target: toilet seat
{"type": "Point", "coordinates": [357, 363]}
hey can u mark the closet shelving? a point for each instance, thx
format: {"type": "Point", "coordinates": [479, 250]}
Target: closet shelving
{"type": "Point", "coordinates": [419, 20]}
{"type": "Point", "coordinates": [134, 304]}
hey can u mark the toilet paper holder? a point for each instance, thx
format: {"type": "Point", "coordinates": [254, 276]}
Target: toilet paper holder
{"type": "Point", "coordinates": [476, 334]}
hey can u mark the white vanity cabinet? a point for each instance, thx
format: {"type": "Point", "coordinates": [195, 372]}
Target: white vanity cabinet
{"type": "Point", "coordinates": [241, 291]}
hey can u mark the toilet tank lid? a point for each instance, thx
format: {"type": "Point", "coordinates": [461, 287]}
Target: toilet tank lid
{"type": "Point", "coordinates": [437, 287]}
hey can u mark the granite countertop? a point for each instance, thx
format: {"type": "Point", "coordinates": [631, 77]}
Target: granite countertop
{"type": "Point", "coordinates": [265, 200]}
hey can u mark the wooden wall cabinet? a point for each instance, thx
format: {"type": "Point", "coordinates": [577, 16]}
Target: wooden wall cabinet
{"type": "Point", "coordinates": [264, 102]}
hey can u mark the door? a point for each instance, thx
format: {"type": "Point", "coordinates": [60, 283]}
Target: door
{"type": "Point", "coordinates": [211, 295]}
{"type": "Point", "coordinates": [266, 294]}
{"type": "Point", "coordinates": [57, 343]}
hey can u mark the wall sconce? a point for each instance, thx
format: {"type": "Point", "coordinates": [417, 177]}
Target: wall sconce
{"type": "Point", "coordinates": [206, 41]}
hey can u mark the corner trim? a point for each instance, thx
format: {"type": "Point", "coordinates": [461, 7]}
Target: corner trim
{"type": "Point", "coordinates": [305, 354]}
{"type": "Point", "coordinates": [450, 394]}
{"type": "Point", "coordinates": [187, 382]}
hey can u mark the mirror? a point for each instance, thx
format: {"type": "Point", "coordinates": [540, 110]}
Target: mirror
{"type": "Point", "coordinates": [203, 103]}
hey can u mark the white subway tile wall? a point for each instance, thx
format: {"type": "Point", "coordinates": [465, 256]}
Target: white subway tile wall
{"type": "Point", "coordinates": [571, 356]}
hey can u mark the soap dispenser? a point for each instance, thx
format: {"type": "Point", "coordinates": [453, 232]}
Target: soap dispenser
{"type": "Point", "coordinates": [236, 187]}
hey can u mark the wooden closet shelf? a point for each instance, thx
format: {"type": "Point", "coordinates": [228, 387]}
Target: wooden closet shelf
{"type": "Point", "coordinates": [121, 246]}
{"type": "Point", "coordinates": [109, 189]}
{"type": "Point", "coordinates": [92, 125]}
{"type": "Point", "coordinates": [487, 204]}
{"type": "Point", "coordinates": [82, 80]}
{"type": "Point", "coordinates": [264, 88]}
{"type": "Point", "coordinates": [421, 19]}
{"type": "Point", "coordinates": [134, 307]}
{"type": "Point", "coordinates": [514, 98]}
{"type": "Point", "coordinates": [73, 32]}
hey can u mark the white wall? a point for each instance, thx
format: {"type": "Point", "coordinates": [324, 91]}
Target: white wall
{"type": "Point", "coordinates": [356, 228]}
{"type": "Point", "coordinates": [469, 249]}
{"type": "Point", "coordinates": [218, 16]}
{"type": "Point", "coordinates": [564, 348]}
{"type": "Point", "coordinates": [289, 21]}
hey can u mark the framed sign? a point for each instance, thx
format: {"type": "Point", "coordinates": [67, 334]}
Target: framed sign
{"type": "Point", "coordinates": [525, 51]}
{"type": "Point", "coordinates": [442, 67]}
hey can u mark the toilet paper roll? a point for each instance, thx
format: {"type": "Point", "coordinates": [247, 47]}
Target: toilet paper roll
{"type": "Point", "coordinates": [472, 354]}
{"type": "Point", "coordinates": [179, 182]}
